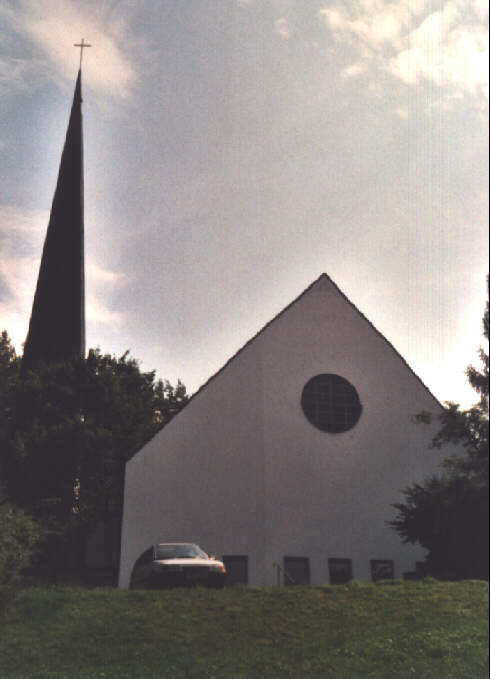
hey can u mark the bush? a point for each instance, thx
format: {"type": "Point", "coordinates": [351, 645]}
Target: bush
{"type": "Point", "coordinates": [19, 537]}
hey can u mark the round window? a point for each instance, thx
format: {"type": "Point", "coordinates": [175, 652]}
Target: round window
{"type": "Point", "coordinates": [331, 403]}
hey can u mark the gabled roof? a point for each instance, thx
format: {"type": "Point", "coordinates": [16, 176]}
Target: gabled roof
{"type": "Point", "coordinates": [323, 276]}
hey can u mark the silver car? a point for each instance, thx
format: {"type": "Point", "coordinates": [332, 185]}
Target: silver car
{"type": "Point", "coordinates": [174, 564]}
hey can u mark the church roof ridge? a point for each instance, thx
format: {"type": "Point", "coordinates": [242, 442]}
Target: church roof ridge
{"type": "Point", "coordinates": [259, 332]}
{"type": "Point", "coordinates": [323, 276]}
{"type": "Point", "coordinates": [378, 332]}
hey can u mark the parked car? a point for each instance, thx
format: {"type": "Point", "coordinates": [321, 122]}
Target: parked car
{"type": "Point", "coordinates": [177, 564]}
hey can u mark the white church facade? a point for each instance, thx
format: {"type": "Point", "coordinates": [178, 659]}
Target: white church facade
{"type": "Point", "coordinates": [287, 461]}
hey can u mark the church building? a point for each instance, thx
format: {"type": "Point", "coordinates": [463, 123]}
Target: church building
{"type": "Point", "coordinates": [287, 462]}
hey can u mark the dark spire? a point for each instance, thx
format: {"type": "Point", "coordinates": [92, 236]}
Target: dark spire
{"type": "Point", "coordinates": [57, 325]}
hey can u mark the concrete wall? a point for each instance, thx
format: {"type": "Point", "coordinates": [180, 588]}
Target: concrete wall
{"type": "Point", "coordinates": [241, 470]}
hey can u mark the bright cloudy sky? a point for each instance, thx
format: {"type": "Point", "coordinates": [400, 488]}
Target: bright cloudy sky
{"type": "Point", "coordinates": [237, 149]}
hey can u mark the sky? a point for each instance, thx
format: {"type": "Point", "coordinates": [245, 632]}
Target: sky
{"type": "Point", "coordinates": [237, 149]}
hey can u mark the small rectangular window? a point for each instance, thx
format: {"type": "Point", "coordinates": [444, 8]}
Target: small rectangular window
{"type": "Point", "coordinates": [340, 571]}
{"type": "Point", "coordinates": [236, 569]}
{"type": "Point", "coordinates": [296, 570]}
{"type": "Point", "coordinates": [382, 569]}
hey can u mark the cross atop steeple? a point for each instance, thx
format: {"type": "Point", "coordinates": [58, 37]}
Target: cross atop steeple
{"type": "Point", "coordinates": [81, 45]}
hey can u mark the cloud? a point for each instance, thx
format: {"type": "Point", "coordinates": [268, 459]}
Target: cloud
{"type": "Point", "coordinates": [353, 70]}
{"type": "Point", "coordinates": [21, 237]}
{"type": "Point", "coordinates": [480, 7]}
{"type": "Point", "coordinates": [99, 282]}
{"type": "Point", "coordinates": [446, 52]}
{"type": "Point", "coordinates": [15, 74]}
{"type": "Point", "coordinates": [282, 28]}
{"type": "Point", "coordinates": [98, 314]}
{"type": "Point", "coordinates": [402, 112]}
{"type": "Point", "coordinates": [448, 47]}
{"type": "Point", "coordinates": [104, 276]}
{"type": "Point", "coordinates": [374, 26]}
{"type": "Point", "coordinates": [51, 27]}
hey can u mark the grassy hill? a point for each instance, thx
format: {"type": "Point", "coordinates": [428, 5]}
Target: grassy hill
{"type": "Point", "coordinates": [384, 631]}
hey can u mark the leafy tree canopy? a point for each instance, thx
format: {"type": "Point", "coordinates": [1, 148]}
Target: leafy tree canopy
{"type": "Point", "coordinates": [68, 429]}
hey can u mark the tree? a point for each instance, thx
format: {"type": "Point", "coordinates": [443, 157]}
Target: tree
{"type": "Point", "coordinates": [9, 370]}
{"type": "Point", "coordinates": [448, 513]}
{"type": "Point", "coordinates": [19, 536]}
{"type": "Point", "coordinates": [69, 428]}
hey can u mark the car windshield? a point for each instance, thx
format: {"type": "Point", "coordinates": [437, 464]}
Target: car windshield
{"type": "Point", "coordinates": [184, 551]}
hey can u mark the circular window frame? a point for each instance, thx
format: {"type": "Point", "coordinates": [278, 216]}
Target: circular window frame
{"type": "Point", "coordinates": [331, 403]}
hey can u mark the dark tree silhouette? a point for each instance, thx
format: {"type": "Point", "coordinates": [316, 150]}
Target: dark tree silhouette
{"type": "Point", "coordinates": [67, 430]}
{"type": "Point", "coordinates": [448, 513]}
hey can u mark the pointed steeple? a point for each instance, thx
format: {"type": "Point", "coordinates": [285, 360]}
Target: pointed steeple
{"type": "Point", "coordinates": [57, 324]}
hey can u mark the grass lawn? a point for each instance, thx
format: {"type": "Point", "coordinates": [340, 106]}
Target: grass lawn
{"type": "Point", "coordinates": [420, 630]}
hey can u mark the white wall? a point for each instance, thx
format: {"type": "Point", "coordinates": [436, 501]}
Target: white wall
{"type": "Point", "coordinates": [241, 471]}
{"type": "Point", "coordinates": [201, 478]}
{"type": "Point", "coordinates": [329, 495]}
